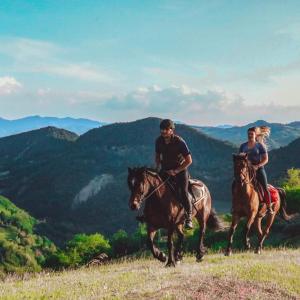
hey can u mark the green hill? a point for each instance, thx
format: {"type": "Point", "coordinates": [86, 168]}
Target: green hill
{"type": "Point", "coordinates": [282, 159]}
{"type": "Point", "coordinates": [20, 248]}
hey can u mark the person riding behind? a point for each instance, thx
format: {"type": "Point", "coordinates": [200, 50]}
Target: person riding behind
{"type": "Point", "coordinates": [174, 157]}
{"type": "Point", "coordinates": [258, 156]}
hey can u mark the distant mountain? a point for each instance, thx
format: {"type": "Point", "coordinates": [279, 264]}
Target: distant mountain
{"type": "Point", "coordinates": [80, 126]}
{"type": "Point", "coordinates": [78, 184]}
{"type": "Point", "coordinates": [281, 134]}
{"type": "Point", "coordinates": [21, 249]}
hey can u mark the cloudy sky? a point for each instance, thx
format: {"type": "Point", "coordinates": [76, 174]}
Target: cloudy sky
{"type": "Point", "coordinates": [200, 62]}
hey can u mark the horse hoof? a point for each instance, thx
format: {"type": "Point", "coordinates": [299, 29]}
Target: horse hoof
{"type": "Point", "coordinates": [257, 251]}
{"type": "Point", "coordinates": [199, 259]}
{"type": "Point", "coordinates": [170, 264]}
{"type": "Point", "coordinates": [228, 253]}
{"type": "Point", "coordinates": [162, 257]}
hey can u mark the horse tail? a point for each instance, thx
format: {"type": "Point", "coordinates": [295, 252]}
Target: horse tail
{"type": "Point", "coordinates": [283, 205]}
{"type": "Point", "coordinates": [214, 221]}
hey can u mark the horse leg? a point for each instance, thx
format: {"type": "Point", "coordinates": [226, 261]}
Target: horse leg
{"type": "Point", "coordinates": [155, 251]}
{"type": "Point", "coordinates": [202, 228]}
{"type": "Point", "coordinates": [179, 246]}
{"type": "Point", "coordinates": [259, 233]}
{"type": "Point", "coordinates": [234, 223]}
{"type": "Point", "coordinates": [171, 259]}
{"type": "Point", "coordinates": [270, 220]}
{"type": "Point", "coordinates": [247, 230]}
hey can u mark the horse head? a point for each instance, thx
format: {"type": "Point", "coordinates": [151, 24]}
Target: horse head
{"type": "Point", "coordinates": [241, 166]}
{"type": "Point", "coordinates": [138, 185]}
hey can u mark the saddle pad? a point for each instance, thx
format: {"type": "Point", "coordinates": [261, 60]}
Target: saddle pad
{"type": "Point", "coordinates": [263, 196]}
{"type": "Point", "coordinates": [196, 189]}
{"type": "Point", "coordinates": [273, 192]}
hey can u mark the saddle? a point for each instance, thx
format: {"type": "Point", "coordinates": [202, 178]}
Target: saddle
{"type": "Point", "coordinates": [196, 189]}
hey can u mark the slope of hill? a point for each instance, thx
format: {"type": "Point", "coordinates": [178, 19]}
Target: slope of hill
{"type": "Point", "coordinates": [283, 159]}
{"type": "Point", "coordinates": [273, 275]}
{"type": "Point", "coordinates": [20, 248]}
{"type": "Point", "coordinates": [281, 134]}
{"type": "Point", "coordinates": [82, 186]}
{"type": "Point", "coordinates": [9, 127]}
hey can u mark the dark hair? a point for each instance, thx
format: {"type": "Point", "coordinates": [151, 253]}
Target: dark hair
{"type": "Point", "coordinates": [167, 124]}
{"type": "Point", "coordinates": [252, 129]}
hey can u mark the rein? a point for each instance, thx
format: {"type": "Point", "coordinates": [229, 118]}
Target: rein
{"type": "Point", "coordinates": [149, 195]}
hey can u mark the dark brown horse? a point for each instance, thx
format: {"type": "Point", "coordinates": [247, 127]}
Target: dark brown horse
{"type": "Point", "coordinates": [163, 210]}
{"type": "Point", "coordinates": [246, 203]}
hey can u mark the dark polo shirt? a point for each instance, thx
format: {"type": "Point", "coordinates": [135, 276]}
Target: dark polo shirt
{"type": "Point", "coordinates": [172, 154]}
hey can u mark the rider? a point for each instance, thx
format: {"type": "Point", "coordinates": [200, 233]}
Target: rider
{"type": "Point", "coordinates": [174, 157]}
{"type": "Point", "coordinates": [257, 154]}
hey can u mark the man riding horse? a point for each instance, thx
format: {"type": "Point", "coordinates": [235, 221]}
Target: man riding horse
{"type": "Point", "coordinates": [257, 154]}
{"type": "Point", "coordinates": [174, 157]}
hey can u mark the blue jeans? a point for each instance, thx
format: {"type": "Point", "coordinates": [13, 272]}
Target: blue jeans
{"type": "Point", "coordinates": [261, 177]}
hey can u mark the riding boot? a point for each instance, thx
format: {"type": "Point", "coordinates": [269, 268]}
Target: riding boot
{"type": "Point", "coordinates": [188, 221]}
{"type": "Point", "coordinates": [188, 215]}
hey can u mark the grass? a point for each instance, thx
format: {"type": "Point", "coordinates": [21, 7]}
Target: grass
{"type": "Point", "coordinates": [273, 275]}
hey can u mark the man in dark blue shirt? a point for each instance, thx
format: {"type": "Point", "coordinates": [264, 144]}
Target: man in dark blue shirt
{"type": "Point", "coordinates": [174, 157]}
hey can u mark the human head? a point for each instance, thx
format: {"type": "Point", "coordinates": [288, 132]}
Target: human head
{"type": "Point", "coordinates": [251, 133]}
{"type": "Point", "coordinates": [167, 127]}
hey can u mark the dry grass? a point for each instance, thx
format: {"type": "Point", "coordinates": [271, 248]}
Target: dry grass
{"type": "Point", "coordinates": [273, 275]}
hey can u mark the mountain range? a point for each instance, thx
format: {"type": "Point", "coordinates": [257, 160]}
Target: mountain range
{"type": "Point", "coordinates": [281, 134]}
{"type": "Point", "coordinates": [78, 183]}
{"type": "Point", "coordinates": [79, 126]}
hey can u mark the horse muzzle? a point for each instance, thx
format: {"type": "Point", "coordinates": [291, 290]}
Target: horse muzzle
{"type": "Point", "coordinates": [134, 205]}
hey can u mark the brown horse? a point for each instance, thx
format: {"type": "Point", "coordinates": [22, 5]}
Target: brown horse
{"type": "Point", "coordinates": [246, 203]}
{"type": "Point", "coordinates": [163, 210]}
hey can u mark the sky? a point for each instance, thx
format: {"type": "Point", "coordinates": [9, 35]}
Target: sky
{"type": "Point", "coordinates": [198, 62]}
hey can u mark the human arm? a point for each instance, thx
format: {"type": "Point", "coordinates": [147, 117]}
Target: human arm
{"type": "Point", "coordinates": [264, 158]}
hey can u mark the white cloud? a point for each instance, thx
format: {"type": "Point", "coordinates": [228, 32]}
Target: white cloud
{"type": "Point", "coordinates": [79, 71]}
{"type": "Point", "coordinates": [9, 85]}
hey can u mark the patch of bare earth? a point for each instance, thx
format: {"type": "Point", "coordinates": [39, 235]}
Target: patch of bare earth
{"type": "Point", "coordinates": [216, 288]}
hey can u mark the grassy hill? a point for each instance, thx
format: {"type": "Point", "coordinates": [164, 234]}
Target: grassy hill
{"type": "Point", "coordinates": [20, 248]}
{"type": "Point", "coordinates": [273, 275]}
{"type": "Point", "coordinates": [281, 134]}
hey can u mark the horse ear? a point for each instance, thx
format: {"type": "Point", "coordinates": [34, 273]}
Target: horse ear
{"type": "Point", "coordinates": [129, 170]}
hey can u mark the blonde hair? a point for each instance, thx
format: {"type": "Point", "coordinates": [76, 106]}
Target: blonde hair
{"type": "Point", "coordinates": [262, 132]}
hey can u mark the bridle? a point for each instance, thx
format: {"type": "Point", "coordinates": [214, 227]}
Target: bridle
{"type": "Point", "coordinates": [144, 197]}
{"type": "Point", "coordinates": [243, 177]}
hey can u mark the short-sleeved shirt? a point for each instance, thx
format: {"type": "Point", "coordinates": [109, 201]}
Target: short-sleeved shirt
{"type": "Point", "coordinates": [255, 153]}
{"type": "Point", "coordinates": [173, 153]}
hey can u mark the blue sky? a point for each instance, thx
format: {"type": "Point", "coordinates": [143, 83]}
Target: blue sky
{"type": "Point", "coordinates": [201, 62]}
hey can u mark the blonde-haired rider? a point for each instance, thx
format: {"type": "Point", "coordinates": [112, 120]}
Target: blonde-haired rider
{"type": "Point", "coordinates": [257, 152]}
